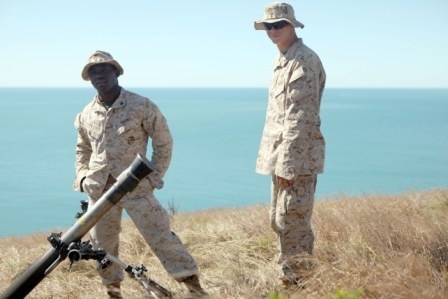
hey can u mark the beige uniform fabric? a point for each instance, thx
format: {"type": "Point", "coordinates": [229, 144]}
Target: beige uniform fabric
{"type": "Point", "coordinates": [108, 141]}
{"type": "Point", "coordinates": [290, 216]}
{"type": "Point", "coordinates": [292, 143]}
{"type": "Point", "coordinates": [293, 147]}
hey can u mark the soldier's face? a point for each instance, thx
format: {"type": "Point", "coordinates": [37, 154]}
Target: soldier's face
{"type": "Point", "coordinates": [280, 35]}
{"type": "Point", "coordinates": [103, 77]}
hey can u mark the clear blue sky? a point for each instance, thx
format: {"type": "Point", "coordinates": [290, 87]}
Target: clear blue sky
{"type": "Point", "coordinates": [380, 43]}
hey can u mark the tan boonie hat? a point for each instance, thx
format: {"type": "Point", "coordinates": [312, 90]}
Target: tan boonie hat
{"type": "Point", "coordinates": [278, 11]}
{"type": "Point", "coordinates": [97, 58]}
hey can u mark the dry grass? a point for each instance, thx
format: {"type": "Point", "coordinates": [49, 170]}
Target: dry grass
{"type": "Point", "coordinates": [380, 246]}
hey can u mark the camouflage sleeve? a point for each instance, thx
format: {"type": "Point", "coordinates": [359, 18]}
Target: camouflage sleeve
{"type": "Point", "coordinates": [83, 153]}
{"type": "Point", "coordinates": [301, 119]}
{"type": "Point", "coordinates": [162, 143]}
{"type": "Point", "coordinates": [322, 80]}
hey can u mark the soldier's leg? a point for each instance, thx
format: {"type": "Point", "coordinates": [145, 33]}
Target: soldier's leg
{"type": "Point", "coordinates": [273, 213]}
{"type": "Point", "coordinates": [105, 234]}
{"type": "Point", "coordinates": [273, 207]}
{"type": "Point", "coordinates": [293, 219]}
{"type": "Point", "coordinates": [152, 221]}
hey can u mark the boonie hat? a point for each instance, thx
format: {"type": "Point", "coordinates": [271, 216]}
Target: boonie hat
{"type": "Point", "coordinates": [278, 11]}
{"type": "Point", "coordinates": [97, 58]}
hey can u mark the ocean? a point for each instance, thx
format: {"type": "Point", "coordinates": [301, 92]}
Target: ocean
{"type": "Point", "coordinates": [378, 141]}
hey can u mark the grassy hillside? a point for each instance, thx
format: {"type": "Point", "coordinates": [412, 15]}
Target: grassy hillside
{"type": "Point", "coordinates": [366, 247]}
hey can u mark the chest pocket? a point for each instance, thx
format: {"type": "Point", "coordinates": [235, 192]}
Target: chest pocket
{"type": "Point", "coordinates": [297, 74]}
{"type": "Point", "coordinates": [277, 90]}
{"type": "Point", "coordinates": [128, 126]}
{"type": "Point", "coordinates": [278, 83]}
{"type": "Point", "coordinates": [297, 85]}
{"type": "Point", "coordinates": [284, 83]}
{"type": "Point", "coordinates": [95, 131]}
{"type": "Point", "coordinates": [94, 125]}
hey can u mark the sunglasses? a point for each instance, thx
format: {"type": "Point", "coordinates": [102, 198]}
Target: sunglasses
{"type": "Point", "coordinates": [276, 25]}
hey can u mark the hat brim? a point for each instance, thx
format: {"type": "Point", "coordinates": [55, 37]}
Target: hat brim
{"type": "Point", "coordinates": [258, 25]}
{"type": "Point", "coordinates": [85, 70]}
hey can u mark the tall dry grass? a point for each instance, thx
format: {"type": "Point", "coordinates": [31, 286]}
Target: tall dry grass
{"type": "Point", "coordinates": [375, 246]}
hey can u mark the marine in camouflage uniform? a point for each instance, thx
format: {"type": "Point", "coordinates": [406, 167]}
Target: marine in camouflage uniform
{"type": "Point", "coordinates": [112, 130]}
{"type": "Point", "coordinates": [292, 147]}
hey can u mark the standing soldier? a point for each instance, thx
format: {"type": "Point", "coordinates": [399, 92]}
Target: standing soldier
{"type": "Point", "coordinates": [112, 129]}
{"type": "Point", "coordinates": [292, 146]}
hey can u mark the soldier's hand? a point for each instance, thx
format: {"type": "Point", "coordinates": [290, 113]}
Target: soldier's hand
{"type": "Point", "coordinates": [284, 182]}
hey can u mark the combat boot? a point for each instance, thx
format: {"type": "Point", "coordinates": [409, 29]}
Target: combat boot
{"type": "Point", "coordinates": [296, 271]}
{"type": "Point", "coordinates": [289, 276]}
{"type": "Point", "coordinates": [194, 286]}
{"type": "Point", "coordinates": [113, 290]}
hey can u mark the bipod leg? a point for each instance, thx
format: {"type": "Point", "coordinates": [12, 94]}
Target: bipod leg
{"type": "Point", "coordinates": [154, 289]}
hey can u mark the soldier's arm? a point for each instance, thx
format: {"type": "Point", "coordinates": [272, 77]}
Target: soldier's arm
{"type": "Point", "coordinates": [162, 143]}
{"type": "Point", "coordinates": [301, 117]}
{"type": "Point", "coordinates": [83, 153]}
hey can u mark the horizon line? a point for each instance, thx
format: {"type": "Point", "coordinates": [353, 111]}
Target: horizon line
{"type": "Point", "coordinates": [228, 87]}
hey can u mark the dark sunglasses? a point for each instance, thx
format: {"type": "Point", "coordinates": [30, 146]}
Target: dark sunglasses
{"type": "Point", "coordinates": [276, 25]}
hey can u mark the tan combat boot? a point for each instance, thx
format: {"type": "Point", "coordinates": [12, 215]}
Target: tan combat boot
{"type": "Point", "coordinates": [194, 286]}
{"type": "Point", "coordinates": [113, 290]}
{"type": "Point", "coordinates": [296, 271]}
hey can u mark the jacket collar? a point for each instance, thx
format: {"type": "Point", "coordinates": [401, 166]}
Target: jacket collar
{"type": "Point", "coordinates": [283, 58]}
{"type": "Point", "coordinates": [120, 102]}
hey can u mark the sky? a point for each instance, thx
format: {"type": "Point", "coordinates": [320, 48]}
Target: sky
{"type": "Point", "coordinates": [178, 43]}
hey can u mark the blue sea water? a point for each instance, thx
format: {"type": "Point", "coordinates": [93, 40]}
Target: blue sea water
{"type": "Point", "coordinates": [378, 141]}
